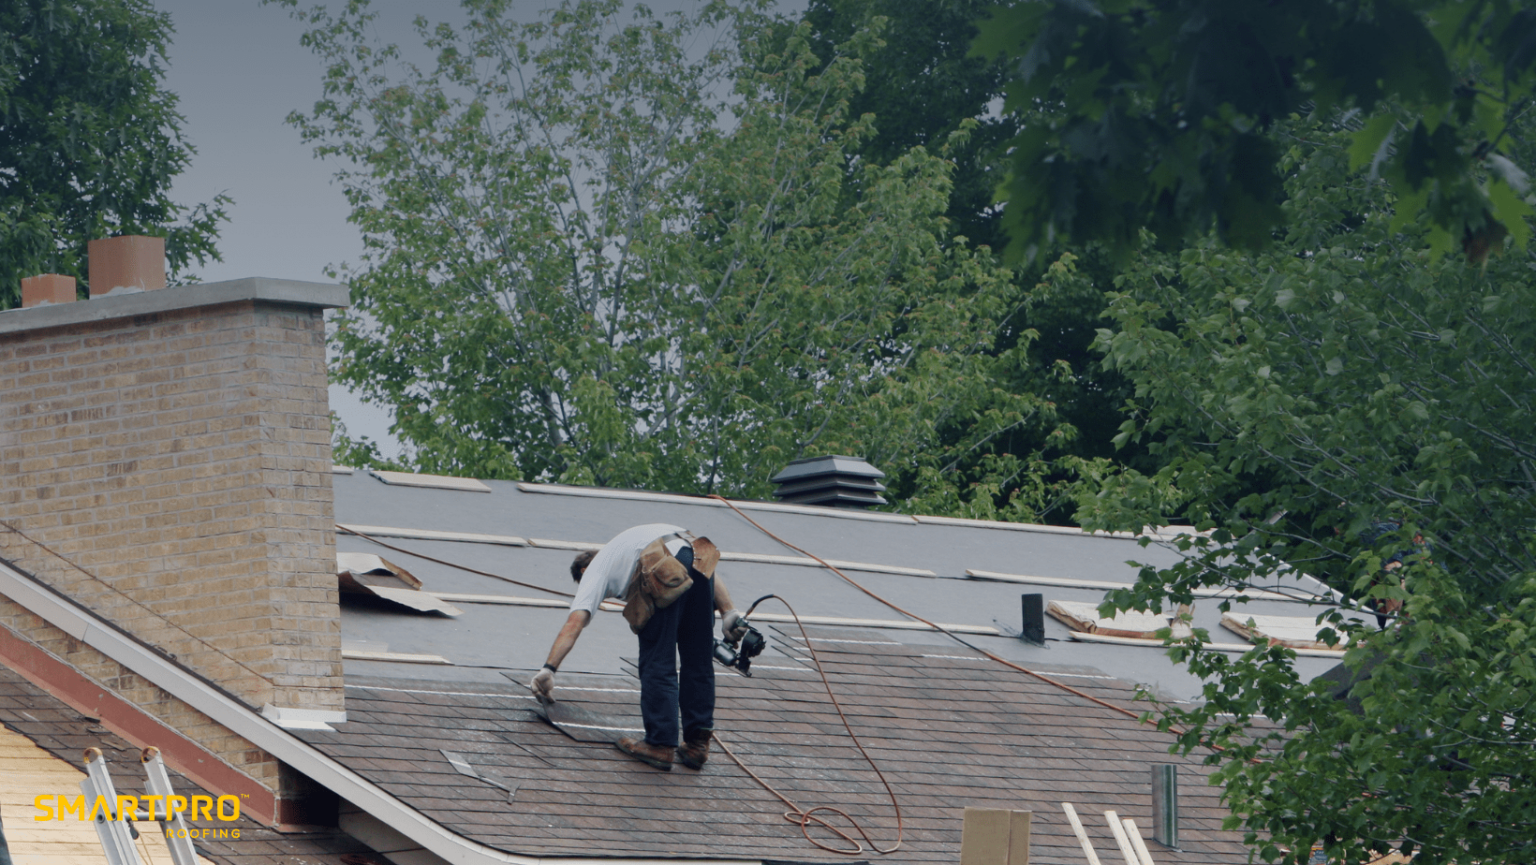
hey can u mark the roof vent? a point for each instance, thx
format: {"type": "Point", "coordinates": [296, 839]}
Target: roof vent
{"type": "Point", "coordinates": [839, 482]}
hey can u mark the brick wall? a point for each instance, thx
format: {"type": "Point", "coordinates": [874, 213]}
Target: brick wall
{"type": "Point", "coordinates": [177, 460]}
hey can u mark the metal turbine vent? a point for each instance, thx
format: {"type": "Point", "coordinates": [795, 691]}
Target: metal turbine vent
{"type": "Point", "coordinates": [838, 482]}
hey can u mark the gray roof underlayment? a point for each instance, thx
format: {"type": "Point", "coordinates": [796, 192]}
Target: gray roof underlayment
{"type": "Point", "coordinates": [490, 639]}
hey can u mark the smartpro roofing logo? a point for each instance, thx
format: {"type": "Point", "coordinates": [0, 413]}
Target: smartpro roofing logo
{"type": "Point", "coordinates": [57, 810]}
{"type": "Point", "coordinates": [163, 808]}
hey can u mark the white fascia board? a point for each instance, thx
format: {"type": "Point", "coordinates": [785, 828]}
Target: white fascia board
{"type": "Point", "coordinates": [247, 723]}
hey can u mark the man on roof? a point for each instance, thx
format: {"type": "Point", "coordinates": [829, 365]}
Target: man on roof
{"type": "Point", "coordinates": [666, 578]}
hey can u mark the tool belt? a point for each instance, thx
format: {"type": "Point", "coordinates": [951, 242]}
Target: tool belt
{"type": "Point", "coordinates": [660, 579]}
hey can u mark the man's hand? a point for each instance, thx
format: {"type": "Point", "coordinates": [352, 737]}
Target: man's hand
{"type": "Point", "coordinates": [543, 685]}
{"type": "Point", "coordinates": [733, 625]}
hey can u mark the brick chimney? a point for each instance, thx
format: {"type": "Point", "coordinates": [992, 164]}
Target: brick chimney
{"type": "Point", "coordinates": [47, 288]}
{"type": "Point", "coordinates": [173, 448]}
{"type": "Point", "coordinates": [131, 261]}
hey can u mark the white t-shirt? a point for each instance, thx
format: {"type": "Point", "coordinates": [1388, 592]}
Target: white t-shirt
{"type": "Point", "coordinates": [608, 574]}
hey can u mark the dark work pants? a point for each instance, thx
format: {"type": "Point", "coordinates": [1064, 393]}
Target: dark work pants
{"type": "Point", "coordinates": [686, 631]}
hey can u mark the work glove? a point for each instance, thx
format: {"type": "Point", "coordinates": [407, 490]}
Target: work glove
{"type": "Point", "coordinates": [543, 685]}
{"type": "Point", "coordinates": [733, 625]}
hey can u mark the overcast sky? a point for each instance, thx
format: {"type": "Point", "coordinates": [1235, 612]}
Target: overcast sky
{"type": "Point", "coordinates": [239, 69]}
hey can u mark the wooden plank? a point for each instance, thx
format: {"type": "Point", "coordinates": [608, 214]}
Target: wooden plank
{"type": "Point", "coordinates": [1081, 833]}
{"type": "Point", "coordinates": [1137, 844]}
{"type": "Point", "coordinates": [1118, 830]}
{"type": "Point", "coordinates": [1084, 616]}
{"type": "Point", "coordinates": [1296, 632]}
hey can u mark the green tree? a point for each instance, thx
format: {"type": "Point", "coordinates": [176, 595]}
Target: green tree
{"type": "Point", "coordinates": [596, 257]}
{"type": "Point", "coordinates": [1303, 398]}
{"type": "Point", "coordinates": [922, 84]}
{"type": "Point", "coordinates": [90, 141]}
{"type": "Point", "coordinates": [1161, 113]}
{"type": "Point", "coordinates": [1322, 389]}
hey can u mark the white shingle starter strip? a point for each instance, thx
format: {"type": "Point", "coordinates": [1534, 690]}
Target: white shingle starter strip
{"type": "Point", "coordinates": [1220, 647]}
{"type": "Point", "coordinates": [755, 558]}
{"type": "Point", "coordinates": [434, 535]}
{"type": "Point", "coordinates": [431, 482]}
{"type": "Point", "coordinates": [1070, 583]}
{"type": "Point", "coordinates": [635, 495]}
{"type": "Point", "coordinates": [777, 618]}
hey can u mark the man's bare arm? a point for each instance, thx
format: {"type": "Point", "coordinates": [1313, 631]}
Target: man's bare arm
{"type": "Point", "coordinates": [723, 603]}
{"type": "Point", "coordinates": [566, 639]}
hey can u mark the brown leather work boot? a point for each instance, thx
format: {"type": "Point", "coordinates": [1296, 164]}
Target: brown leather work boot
{"type": "Point", "coordinates": [645, 752]}
{"type": "Point", "coordinates": [695, 750]}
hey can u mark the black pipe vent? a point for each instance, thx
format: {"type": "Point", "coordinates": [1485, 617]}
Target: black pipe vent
{"type": "Point", "coordinates": [838, 482]}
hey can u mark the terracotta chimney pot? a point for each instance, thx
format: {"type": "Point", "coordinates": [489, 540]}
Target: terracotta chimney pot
{"type": "Point", "coordinates": [132, 261]}
{"type": "Point", "coordinates": [47, 288]}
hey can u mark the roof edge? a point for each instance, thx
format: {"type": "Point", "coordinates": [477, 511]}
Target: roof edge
{"type": "Point", "coordinates": [85, 626]}
{"type": "Point", "coordinates": [322, 295]}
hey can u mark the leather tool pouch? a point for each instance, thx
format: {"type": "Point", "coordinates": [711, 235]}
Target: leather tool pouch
{"type": "Point", "coordinates": [659, 580]}
{"type": "Point", "coordinates": [638, 606]}
{"type": "Point", "coordinates": [705, 556]}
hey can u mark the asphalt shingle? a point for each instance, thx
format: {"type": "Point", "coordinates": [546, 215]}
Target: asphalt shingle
{"type": "Point", "coordinates": [948, 732]}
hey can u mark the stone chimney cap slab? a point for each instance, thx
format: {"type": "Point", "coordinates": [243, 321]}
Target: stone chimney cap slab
{"type": "Point", "coordinates": [284, 291]}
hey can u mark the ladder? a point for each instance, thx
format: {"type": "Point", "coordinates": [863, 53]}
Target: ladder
{"type": "Point", "coordinates": [116, 828]}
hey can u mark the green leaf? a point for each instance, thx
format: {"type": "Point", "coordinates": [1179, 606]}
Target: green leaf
{"type": "Point", "coordinates": [1370, 144]}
